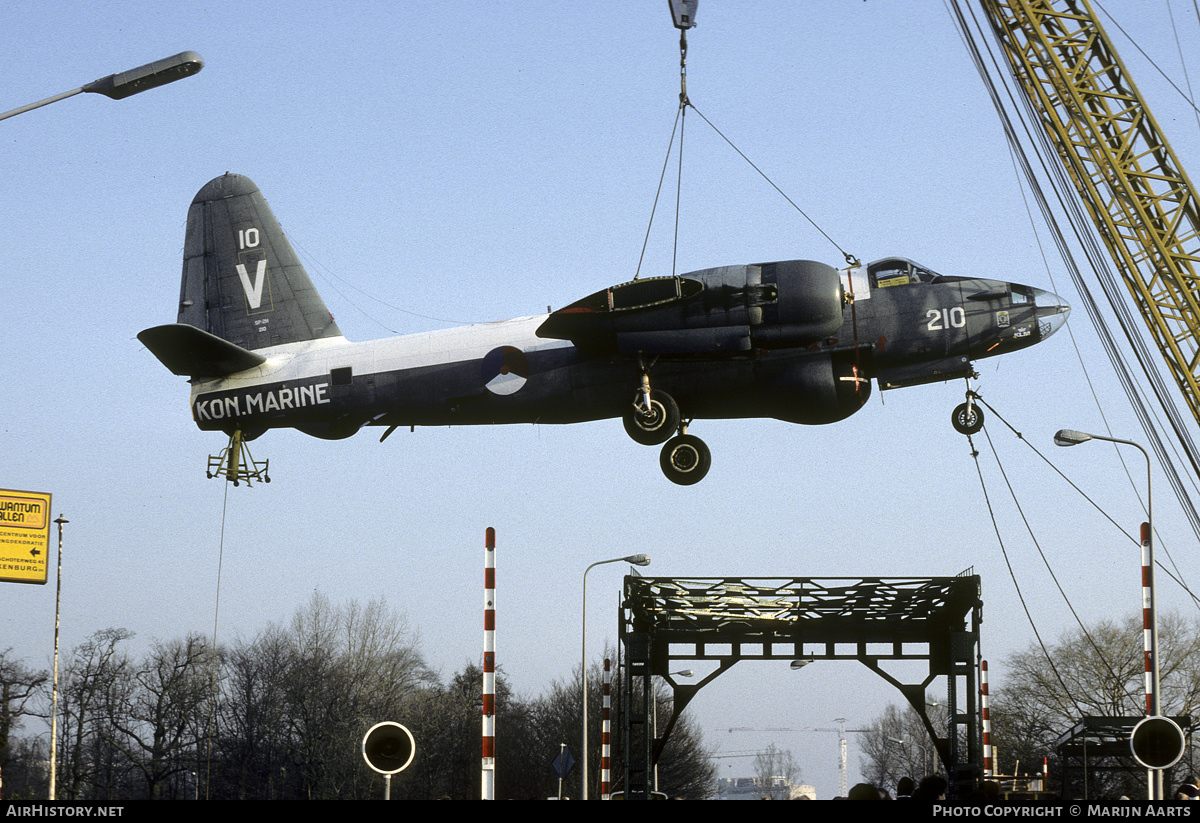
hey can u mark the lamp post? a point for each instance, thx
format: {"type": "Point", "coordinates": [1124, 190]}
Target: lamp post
{"type": "Point", "coordinates": [636, 560]}
{"type": "Point", "coordinates": [61, 521]}
{"type": "Point", "coordinates": [127, 83]}
{"type": "Point", "coordinates": [1067, 437]}
{"type": "Point", "coordinates": [654, 724]}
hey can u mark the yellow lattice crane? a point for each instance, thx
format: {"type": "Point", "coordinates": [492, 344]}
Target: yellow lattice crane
{"type": "Point", "coordinates": [1129, 178]}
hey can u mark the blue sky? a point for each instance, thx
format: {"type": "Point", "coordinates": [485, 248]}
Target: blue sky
{"type": "Point", "coordinates": [471, 165]}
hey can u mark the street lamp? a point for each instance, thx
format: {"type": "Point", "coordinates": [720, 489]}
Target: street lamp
{"type": "Point", "coordinates": [116, 87]}
{"type": "Point", "coordinates": [636, 560]}
{"type": "Point", "coordinates": [127, 83]}
{"type": "Point", "coordinates": [924, 753]}
{"type": "Point", "coordinates": [1067, 437]}
{"type": "Point", "coordinates": [654, 724]}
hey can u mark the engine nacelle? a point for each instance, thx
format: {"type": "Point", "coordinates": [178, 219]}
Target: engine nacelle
{"type": "Point", "coordinates": [728, 309]}
{"type": "Point", "coordinates": [815, 390]}
{"type": "Point", "coordinates": [808, 305]}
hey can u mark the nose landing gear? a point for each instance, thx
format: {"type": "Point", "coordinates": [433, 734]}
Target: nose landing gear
{"type": "Point", "coordinates": [967, 418]}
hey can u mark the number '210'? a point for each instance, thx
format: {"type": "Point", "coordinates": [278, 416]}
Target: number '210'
{"type": "Point", "coordinates": [941, 319]}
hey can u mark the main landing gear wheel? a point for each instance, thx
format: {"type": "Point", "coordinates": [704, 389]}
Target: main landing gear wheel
{"type": "Point", "coordinates": [655, 424]}
{"type": "Point", "coordinates": [685, 459]}
{"type": "Point", "coordinates": [967, 418]}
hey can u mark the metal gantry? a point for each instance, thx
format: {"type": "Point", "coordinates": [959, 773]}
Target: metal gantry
{"type": "Point", "coordinates": [666, 621]}
{"type": "Point", "coordinates": [1098, 744]}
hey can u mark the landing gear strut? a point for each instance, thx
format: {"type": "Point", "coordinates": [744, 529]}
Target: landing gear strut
{"type": "Point", "coordinates": [967, 418]}
{"type": "Point", "coordinates": [652, 419]}
{"type": "Point", "coordinates": [235, 463]}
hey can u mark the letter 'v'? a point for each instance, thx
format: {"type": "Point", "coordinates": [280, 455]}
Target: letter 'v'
{"type": "Point", "coordinates": [253, 290]}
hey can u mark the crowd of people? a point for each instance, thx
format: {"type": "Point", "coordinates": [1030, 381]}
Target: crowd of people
{"type": "Point", "coordinates": [933, 789]}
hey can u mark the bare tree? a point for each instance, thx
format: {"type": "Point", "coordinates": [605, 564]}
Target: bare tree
{"type": "Point", "coordinates": [349, 667]}
{"type": "Point", "coordinates": [291, 706]}
{"type": "Point", "coordinates": [91, 673]}
{"type": "Point", "coordinates": [776, 771]}
{"type": "Point", "coordinates": [18, 685]}
{"type": "Point", "coordinates": [1097, 672]}
{"type": "Point", "coordinates": [252, 746]}
{"type": "Point", "coordinates": [297, 699]}
{"type": "Point", "coordinates": [159, 715]}
{"type": "Point", "coordinates": [897, 745]}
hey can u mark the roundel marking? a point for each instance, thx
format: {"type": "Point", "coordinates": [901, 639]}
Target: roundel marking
{"type": "Point", "coordinates": [505, 370]}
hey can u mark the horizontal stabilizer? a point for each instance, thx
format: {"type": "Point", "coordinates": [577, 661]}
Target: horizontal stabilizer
{"type": "Point", "coordinates": [194, 352]}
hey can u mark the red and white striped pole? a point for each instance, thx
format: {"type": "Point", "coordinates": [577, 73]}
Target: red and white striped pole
{"type": "Point", "coordinates": [605, 738]}
{"type": "Point", "coordinates": [1148, 621]}
{"type": "Point", "coordinates": [488, 791]}
{"type": "Point", "coordinates": [988, 771]}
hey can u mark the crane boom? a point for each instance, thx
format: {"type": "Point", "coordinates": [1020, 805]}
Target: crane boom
{"type": "Point", "coordinates": [1126, 173]}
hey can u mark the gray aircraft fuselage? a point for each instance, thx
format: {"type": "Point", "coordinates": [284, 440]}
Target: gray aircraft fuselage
{"type": "Point", "coordinates": [794, 340]}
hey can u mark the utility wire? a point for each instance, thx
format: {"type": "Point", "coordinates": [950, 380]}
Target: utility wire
{"type": "Point", "coordinates": [1016, 584]}
{"type": "Point", "coordinates": [1046, 562]}
{"type": "Point", "coordinates": [1135, 540]}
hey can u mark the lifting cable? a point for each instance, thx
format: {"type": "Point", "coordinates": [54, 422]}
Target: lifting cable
{"type": "Point", "coordinates": [658, 193]}
{"type": "Point", "coordinates": [684, 21]}
{"type": "Point", "coordinates": [851, 260]}
{"type": "Point", "coordinates": [212, 671]}
{"type": "Point", "coordinates": [683, 106]}
{"type": "Point", "coordinates": [1182, 58]}
{"type": "Point", "coordinates": [1100, 654]}
{"type": "Point", "coordinates": [1099, 261]}
{"type": "Point", "coordinates": [1185, 95]}
{"type": "Point", "coordinates": [1045, 561]}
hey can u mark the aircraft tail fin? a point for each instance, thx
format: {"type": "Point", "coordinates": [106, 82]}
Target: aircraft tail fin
{"type": "Point", "coordinates": [242, 282]}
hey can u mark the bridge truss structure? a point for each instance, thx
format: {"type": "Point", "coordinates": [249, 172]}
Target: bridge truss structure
{"type": "Point", "coordinates": [670, 623]}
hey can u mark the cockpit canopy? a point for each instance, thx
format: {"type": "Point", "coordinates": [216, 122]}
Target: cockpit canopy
{"type": "Point", "coordinates": [899, 271]}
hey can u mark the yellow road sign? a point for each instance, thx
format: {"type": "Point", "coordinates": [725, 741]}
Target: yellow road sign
{"type": "Point", "coordinates": [24, 536]}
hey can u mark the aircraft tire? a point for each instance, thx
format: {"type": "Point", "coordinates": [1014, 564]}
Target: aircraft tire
{"type": "Point", "coordinates": [658, 425]}
{"type": "Point", "coordinates": [967, 419]}
{"type": "Point", "coordinates": [685, 460]}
